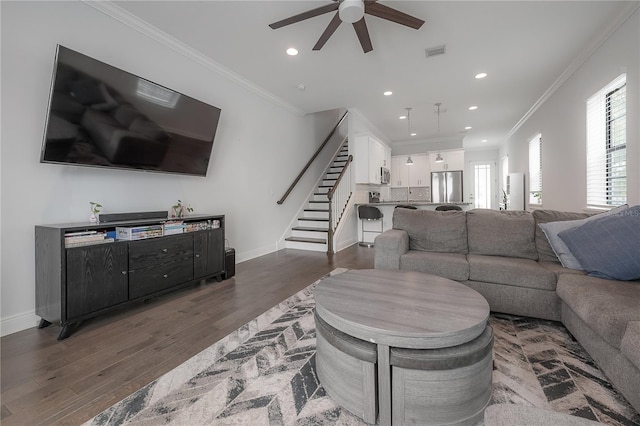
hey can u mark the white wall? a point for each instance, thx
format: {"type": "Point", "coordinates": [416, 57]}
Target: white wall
{"type": "Point", "coordinates": [259, 147]}
{"type": "Point", "coordinates": [562, 122]}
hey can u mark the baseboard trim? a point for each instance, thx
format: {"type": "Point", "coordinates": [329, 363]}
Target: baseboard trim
{"type": "Point", "coordinates": [251, 254]}
{"type": "Point", "coordinates": [18, 322]}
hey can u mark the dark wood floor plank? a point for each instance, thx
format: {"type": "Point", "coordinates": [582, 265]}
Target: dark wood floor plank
{"type": "Point", "coordinates": [46, 381]}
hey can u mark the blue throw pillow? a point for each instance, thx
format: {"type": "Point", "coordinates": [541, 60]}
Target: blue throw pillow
{"type": "Point", "coordinates": [608, 247]}
{"type": "Point", "coordinates": [552, 229]}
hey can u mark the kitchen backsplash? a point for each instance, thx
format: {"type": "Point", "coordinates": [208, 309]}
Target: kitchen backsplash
{"type": "Point", "coordinates": [418, 193]}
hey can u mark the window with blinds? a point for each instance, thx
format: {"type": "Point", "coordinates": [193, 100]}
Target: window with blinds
{"type": "Point", "coordinates": [535, 170]}
{"type": "Point", "coordinates": [607, 145]}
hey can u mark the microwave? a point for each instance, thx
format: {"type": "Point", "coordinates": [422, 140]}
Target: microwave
{"type": "Point", "coordinates": [385, 175]}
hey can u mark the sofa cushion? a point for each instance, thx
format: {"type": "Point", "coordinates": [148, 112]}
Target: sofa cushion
{"type": "Point", "coordinates": [545, 251]}
{"type": "Point", "coordinates": [453, 266]}
{"type": "Point", "coordinates": [558, 269]}
{"type": "Point", "coordinates": [510, 271]}
{"type": "Point", "coordinates": [606, 306]}
{"type": "Point", "coordinates": [630, 346]}
{"type": "Point", "coordinates": [501, 233]}
{"type": "Point", "coordinates": [428, 230]}
{"type": "Point", "coordinates": [609, 246]}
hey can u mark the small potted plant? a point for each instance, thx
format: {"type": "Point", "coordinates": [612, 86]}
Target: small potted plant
{"type": "Point", "coordinates": [179, 209]}
{"type": "Point", "coordinates": [95, 209]}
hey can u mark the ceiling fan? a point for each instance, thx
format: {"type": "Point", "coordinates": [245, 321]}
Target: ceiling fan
{"type": "Point", "coordinates": [352, 12]}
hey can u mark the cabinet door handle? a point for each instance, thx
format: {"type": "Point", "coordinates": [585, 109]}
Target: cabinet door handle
{"type": "Point", "coordinates": [197, 255]}
{"type": "Point", "coordinates": [124, 272]}
{"type": "Point", "coordinates": [165, 276]}
{"type": "Point", "coordinates": [164, 250]}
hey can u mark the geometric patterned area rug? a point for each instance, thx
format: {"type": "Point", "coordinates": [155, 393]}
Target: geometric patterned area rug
{"type": "Point", "coordinates": [264, 374]}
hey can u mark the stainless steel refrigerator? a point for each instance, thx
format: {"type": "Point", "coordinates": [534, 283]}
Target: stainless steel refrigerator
{"type": "Point", "coordinates": [446, 187]}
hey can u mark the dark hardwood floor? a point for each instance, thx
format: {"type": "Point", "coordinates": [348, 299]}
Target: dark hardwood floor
{"type": "Point", "coordinates": [46, 381]}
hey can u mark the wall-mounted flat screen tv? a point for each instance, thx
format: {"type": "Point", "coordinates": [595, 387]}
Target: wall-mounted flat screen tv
{"type": "Point", "coordinates": [102, 116]}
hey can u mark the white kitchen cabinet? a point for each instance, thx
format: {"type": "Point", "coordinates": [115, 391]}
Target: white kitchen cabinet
{"type": "Point", "coordinates": [399, 171]}
{"type": "Point", "coordinates": [453, 160]}
{"type": "Point", "coordinates": [370, 155]}
{"type": "Point", "coordinates": [419, 174]}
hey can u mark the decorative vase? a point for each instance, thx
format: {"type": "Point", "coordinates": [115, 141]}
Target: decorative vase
{"type": "Point", "coordinates": [178, 211]}
{"type": "Point", "coordinates": [93, 218]}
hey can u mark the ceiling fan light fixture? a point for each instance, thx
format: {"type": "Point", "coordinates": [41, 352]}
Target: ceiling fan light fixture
{"type": "Point", "coordinates": [351, 11]}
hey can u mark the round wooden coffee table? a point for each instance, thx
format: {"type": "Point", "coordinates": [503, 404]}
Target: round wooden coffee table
{"type": "Point", "coordinates": [430, 331]}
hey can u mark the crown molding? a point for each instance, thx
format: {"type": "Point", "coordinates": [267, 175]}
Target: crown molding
{"type": "Point", "coordinates": [586, 53]}
{"type": "Point", "coordinates": [372, 127]}
{"type": "Point", "coordinates": [125, 17]}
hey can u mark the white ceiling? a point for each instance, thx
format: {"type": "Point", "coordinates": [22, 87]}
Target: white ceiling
{"type": "Point", "coordinates": [524, 46]}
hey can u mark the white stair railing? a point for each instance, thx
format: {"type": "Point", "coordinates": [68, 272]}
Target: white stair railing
{"type": "Point", "coordinates": [338, 197]}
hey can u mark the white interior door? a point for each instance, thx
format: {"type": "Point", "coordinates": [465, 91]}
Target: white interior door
{"type": "Point", "coordinates": [483, 185]}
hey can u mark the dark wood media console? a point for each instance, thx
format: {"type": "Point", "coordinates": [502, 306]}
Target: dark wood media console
{"type": "Point", "coordinates": [77, 283]}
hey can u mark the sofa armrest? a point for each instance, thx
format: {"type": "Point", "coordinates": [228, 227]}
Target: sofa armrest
{"type": "Point", "coordinates": [389, 246]}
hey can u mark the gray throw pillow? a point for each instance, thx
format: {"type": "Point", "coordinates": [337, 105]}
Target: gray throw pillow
{"type": "Point", "coordinates": [545, 251]}
{"type": "Point", "coordinates": [609, 246]}
{"type": "Point", "coordinates": [552, 229]}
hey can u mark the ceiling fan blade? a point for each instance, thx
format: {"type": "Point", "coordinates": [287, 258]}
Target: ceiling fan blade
{"type": "Point", "coordinates": [328, 32]}
{"type": "Point", "coordinates": [363, 35]}
{"type": "Point", "coordinates": [390, 14]}
{"type": "Point", "coordinates": [305, 15]}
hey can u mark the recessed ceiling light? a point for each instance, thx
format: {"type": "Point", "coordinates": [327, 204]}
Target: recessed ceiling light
{"type": "Point", "coordinates": [388, 93]}
{"type": "Point", "coordinates": [481, 75]}
{"type": "Point", "coordinates": [413, 134]}
{"type": "Point", "coordinates": [292, 51]}
{"type": "Point", "coordinates": [468, 128]}
{"type": "Point", "coordinates": [403, 117]}
{"type": "Point", "coordinates": [483, 140]}
{"type": "Point", "coordinates": [473, 107]}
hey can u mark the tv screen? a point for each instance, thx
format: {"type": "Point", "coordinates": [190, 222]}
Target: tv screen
{"type": "Point", "coordinates": [102, 116]}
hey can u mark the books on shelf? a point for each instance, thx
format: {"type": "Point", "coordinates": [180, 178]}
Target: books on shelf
{"type": "Point", "coordinates": [174, 227]}
{"type": "Point", "coordinates": [89, 243]}
{"type": "Point", "coordinates": [139, 232]}
{"type": "Point", "coordinates": [196, 226]}
{"type": "Point", "coordinates": [75, 239]}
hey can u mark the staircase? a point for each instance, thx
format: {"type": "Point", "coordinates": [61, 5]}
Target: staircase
{"type": "Point", "coordinates": [312, 230]}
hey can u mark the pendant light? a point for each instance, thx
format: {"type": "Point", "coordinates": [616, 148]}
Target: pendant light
{"type": "Point", "coordinates": [439, 158]}
{"type": "Point", "coordinates": [409, 121]}
{"type": "Point", "coordinates": [409, 161]}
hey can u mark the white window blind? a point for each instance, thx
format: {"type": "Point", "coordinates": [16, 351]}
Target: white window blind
{"type": "Point", "coordinates": [607, 145]}
{"type": "Point", "coordinates": [535, 170]}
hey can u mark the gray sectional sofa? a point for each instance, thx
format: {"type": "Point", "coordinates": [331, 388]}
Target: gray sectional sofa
{"type": "Point", "coordinates": [506, 257]}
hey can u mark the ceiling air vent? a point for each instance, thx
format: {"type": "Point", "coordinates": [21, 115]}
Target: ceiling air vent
{"type": "Point", "coordinates": [433, 51]}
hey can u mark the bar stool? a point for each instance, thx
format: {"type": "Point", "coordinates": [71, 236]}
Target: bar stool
{"type": "Point", "coordinates": [369, 213]}
{"type": "Point", "coordinates": [448, 207]}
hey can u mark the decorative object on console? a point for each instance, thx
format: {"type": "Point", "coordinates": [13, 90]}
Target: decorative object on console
{"type": "Point", "coordinates": [178, 209]}
{"type": "Point", "coordinates": [95, 209]}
